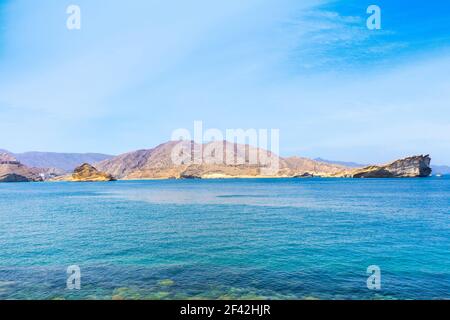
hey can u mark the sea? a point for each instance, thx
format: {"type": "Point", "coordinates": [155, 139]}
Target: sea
{"type": "Point", "coordinates": [267, 239]}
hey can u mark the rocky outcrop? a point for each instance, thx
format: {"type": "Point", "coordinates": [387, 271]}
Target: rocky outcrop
{"type": "Point", "coordinates": [87, 173]}
{"type": "Point", "coordinates": [11, 170]}
{"type": "Point", "coordinates": [7, 158]}
{"type": "Point", "coordinates": [412, 167]}
{"type": "Point", "coordinates": [192, 172]}
{"type": "Point", "coordinates": [14, 177]}
{"type": "Point", "coordinates": [304, 175]}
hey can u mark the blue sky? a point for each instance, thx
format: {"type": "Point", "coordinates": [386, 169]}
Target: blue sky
{"type": "Point", "coordinates": [138, 70]}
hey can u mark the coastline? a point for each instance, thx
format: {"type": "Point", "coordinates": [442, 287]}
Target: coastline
{"type": "Point", "coordinates": [161, 167]}
{"type": "Point", "coordinates": [246, 178]}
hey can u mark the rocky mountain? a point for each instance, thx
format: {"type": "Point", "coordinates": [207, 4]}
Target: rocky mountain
{"type": "Point", "coordinates": [417, 166]}
{"type": "Point", "coordinates": [11, 170]}
{"type": "Point", "coordinates": [218, 159]}
{"type": "Point", "coordinates": [86, 173]}
{"type": "Point", "coordinates": [7, 158]}
{"type": "Point", "coordinates": [223, 159]}
{"type": "Point", "coordinates": [157, 163]}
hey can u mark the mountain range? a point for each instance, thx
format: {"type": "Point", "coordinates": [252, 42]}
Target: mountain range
{"type": "Point", "coordinates": [158, 163]}
{"type": "Point", "coordinates": [212, 160]}
{"type": "Point", "coordinates": [342, 163]}
{"type": "Point", "coordinates": [61, 161]}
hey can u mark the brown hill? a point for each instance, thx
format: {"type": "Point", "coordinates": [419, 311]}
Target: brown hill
{"type": "Point", "coordinates": [12, 170]}
{"type": "Point", "coordinates": [86, 172]}
{"type": "Point", "coordinates": [220, 159]}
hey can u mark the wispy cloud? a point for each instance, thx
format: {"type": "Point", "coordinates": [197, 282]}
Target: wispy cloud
{"type": "Point", "coordinates": [323, 39]}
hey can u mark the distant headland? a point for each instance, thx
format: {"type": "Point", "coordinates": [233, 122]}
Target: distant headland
{"type": "Point", "coordinates": [157, 163]}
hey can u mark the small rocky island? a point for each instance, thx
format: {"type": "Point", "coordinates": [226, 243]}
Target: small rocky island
{"type": "Point", "coordinates": [88, 173]}
{"type": "Point", "coordinates": [85, 173]}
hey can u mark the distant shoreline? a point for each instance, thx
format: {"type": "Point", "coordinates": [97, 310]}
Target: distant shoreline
{"type": "Point", "coordinates": [246, 178]}
{"type": "Point", "coordinates": [158, 164]}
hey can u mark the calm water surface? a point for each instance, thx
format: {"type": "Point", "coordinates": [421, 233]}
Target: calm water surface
{"type": "Point", "coordinates": [222, 239]}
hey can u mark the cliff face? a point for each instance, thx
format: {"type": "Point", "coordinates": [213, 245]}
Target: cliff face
{"type": "Point", "coordinates": [417, 166]}
{"type": "Point", "coordinates": [12, 170]}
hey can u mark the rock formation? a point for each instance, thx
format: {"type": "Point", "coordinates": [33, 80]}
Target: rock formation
{"type": "Point", "coordinates": [417, 166]}
{"type": "Point", "coordinates": [304, 175]}
{"type": "Point", "coordinates": [11, 170]}
{"type": "Point", "coordinates": [87, 173]}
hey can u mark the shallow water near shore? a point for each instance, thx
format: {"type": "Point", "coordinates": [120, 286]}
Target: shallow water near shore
{"type": "Point", "coordinates": [226, 239]}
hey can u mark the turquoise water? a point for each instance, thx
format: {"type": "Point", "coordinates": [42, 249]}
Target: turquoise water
{"type": "Point", "coordinates": [226, 239]}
